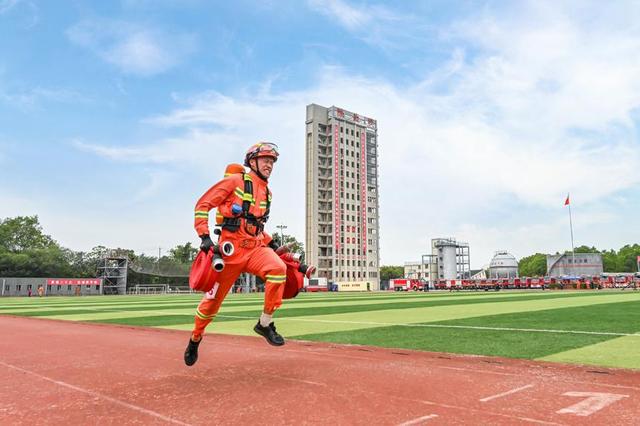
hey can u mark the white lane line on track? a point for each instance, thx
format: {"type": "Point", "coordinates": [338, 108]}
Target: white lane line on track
{"type": "Point", "coordinates": [323, 353]}
{"type": "Point", "coordinates": [464, 409]}
{"type": "Point", "coordinates": [594, 401]}
{"type": "Point", "coordinates": [419, 420]}
{"type": "Point", "coordinates": [512, 391]}
{"type": "Point", "coordinates": [469, 327]}
{"type": "Point", "coordinates": [97, 395]}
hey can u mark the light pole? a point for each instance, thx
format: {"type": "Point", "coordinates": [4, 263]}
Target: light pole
{"type": "Point", "coordinates": [281, 227]}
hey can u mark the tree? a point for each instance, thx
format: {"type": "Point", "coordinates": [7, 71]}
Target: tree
{"type": "Point", "coordinates": [390, 272]}
{"type": "Point", "coordinates": [25, 251]}
{"type": "Point", "coordinates": [23, 232]}
{"type": "Point", "coordinates": [296, 246]}
{"type": "Point", "coordinates": [609, 261]}
{"type": "Point", "coordinates": [585, 249]}
{"type": "Point", "coordinates": [533, 266]}
{"type": "Point", "coordinates": [185, 253]}
{"type": "Point", "coordinates": [627, 258]}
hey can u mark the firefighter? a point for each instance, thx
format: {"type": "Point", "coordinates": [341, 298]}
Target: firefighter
{"type": "Point", "coordinates": [242, 201]}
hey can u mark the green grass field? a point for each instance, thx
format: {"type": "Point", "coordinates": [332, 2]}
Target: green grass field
{"type": "Point", "coordinates": [598, 328]}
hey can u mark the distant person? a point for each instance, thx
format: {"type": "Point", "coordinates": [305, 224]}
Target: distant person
{"type": "Point", "coordinates": [40, 291]}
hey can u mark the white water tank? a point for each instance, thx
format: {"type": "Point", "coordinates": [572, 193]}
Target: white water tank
{"type": "Point", "coordinates": [503, 265]}
{"type": "Point", "coordinates": [447, 254]}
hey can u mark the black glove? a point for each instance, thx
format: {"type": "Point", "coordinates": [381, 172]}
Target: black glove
{"type": "Point", "coordinates": [206, 243]}
{"type": "Point", "coordinates": [273, 245]}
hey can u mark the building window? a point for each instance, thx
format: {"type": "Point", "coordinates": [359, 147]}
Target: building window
{"type": "Point", "coordinates": [341, 129]}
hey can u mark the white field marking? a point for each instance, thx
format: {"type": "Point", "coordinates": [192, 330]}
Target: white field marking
{"type": "Point", "coordinates": [595, 401]}
{"type": "Point", "coordinates": [98, 395]}
{"type": "Point", "coordinates": [469, 327]}
{"type": "Point", "coordinates": [419, 420]}
{"type": "Point", "coordinates": [512, 391]}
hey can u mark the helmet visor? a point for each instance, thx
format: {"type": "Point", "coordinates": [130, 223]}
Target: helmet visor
{"type": "Point", "coordinates": [267, 147]}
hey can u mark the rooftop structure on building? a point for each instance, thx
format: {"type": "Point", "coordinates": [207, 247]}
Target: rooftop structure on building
{"type": "Point", "coordinates": [342, 231]}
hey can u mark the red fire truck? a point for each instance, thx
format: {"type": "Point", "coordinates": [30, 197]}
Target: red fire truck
{"type": "Point", "coordinates": [405, 284]}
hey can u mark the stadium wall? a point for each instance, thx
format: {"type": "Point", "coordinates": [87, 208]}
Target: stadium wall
{"type": "Point", "coordinates": [50, 286]}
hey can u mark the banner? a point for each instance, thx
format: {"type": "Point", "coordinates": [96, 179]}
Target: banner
{"type": "Point", "coordinates": [74, 281]}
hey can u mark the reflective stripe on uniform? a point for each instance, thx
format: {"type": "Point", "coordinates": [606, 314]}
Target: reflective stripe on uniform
{"type": "Point", "coordinates": [201, 213]}
{"type": "Point", "coordinates": [245, 196]}
{"type": "Point", "coordinates": [276, 278]}
{"type": "Point", "coordinates": [203, 316]}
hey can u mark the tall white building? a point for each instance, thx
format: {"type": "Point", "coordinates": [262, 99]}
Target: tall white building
{"type": "Point", "coordinates": [342, 231]}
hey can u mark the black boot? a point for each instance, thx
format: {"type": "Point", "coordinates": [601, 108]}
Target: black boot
{"type": "Point", "coordinates": [269, 333]}
{"type": "Point", "coordinates": [191, 353]}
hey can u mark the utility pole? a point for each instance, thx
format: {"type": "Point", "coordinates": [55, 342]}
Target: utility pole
{"type": "Point", "coordinates": [281, 227]}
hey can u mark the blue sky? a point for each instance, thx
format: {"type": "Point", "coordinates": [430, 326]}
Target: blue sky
{"type": "Point", "coordinates": [116, 116]}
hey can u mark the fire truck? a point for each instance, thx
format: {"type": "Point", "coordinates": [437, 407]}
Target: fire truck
{"type": "Point", "coordinates": [405, 284]}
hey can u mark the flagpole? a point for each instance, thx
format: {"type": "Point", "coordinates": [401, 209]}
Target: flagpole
{"type": "Point", "coordinates": [573, 250]}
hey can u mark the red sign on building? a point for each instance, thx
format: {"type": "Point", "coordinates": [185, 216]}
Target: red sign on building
{"type": "Point", "coordinates": [74, 281]}
{"type": "Point", "coordinates": [363, 191]}
{"type": "Point", "coordinates": [336, 187]}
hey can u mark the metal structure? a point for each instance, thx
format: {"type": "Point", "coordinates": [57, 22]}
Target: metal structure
{"type": "Point", "coordinates": [503, 265]}
{"type": "Point", "coordinates": [113, 271]}
{"type": "Point", "coordinates": [453, 259]}
{"type": "Point", "coordinates": [342, 230]}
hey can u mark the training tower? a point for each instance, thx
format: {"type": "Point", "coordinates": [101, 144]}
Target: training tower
{"type": "Point", "coordinates": [113, 271]}
{"type": "Point", "coordinates": [452, 260]}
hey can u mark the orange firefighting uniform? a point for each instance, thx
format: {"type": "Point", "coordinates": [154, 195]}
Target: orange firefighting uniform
{"type": "Point", "coordinates": [251, 252]}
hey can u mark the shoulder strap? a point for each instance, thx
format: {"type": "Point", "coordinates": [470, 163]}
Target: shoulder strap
{"type": "Point", "coordinates": [265, 216]}
{"type": "Point", "coordinates": [248, 194]}
{"type": "Point", "coordinates": [248, 198]}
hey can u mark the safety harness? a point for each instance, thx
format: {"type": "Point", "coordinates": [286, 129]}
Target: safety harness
{"type": "Point", "coordinates": [232, 224]}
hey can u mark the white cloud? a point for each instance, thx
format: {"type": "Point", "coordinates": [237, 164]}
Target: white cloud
{"type": "Point", "coordinates": [527, 110]}
{"type": "Point", "coordinates": [350, 17]}
{"type": "Point", "coordinates": [374, 24]}
{"type": "Point", "coordinates": [7, 5]}
{"type": "Point", "coordinates": [132, 48]}
{"type": "Point", "coordinates": [26, 12]}
{"type": "Point", "coordinates": [33, 98]}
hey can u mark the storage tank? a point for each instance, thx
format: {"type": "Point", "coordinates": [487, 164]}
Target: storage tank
{"type": "Point", "coordinates": [503, 265]}
{"type": "Point", "coordinates": [447, 259]}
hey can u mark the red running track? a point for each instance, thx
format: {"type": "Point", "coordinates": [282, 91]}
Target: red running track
{"type": "Point", "coordinates": [57, 372]}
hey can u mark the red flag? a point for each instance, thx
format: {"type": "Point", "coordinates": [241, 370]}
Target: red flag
{"type": "Point", "coordinates": [566, 202]}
